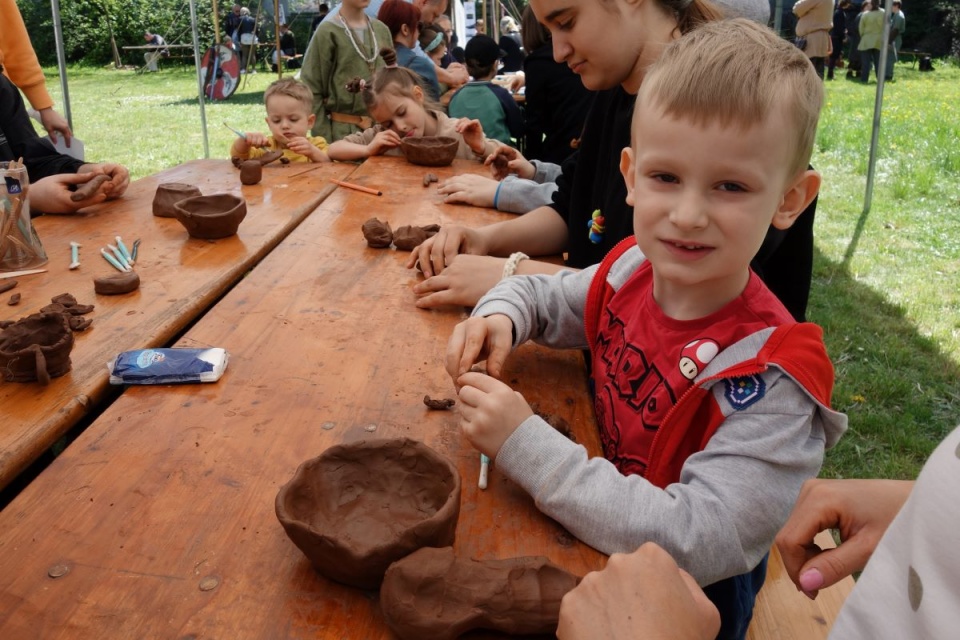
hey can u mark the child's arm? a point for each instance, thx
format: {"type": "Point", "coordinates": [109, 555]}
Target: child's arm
{"type": "Point", "coordinates": [490, 411]}
{"type": "Point", "coordinates": [242, 148]}
{"type": "Point", "coordinates": [360, 146]}
{"type": "Point", "coordinates": [718, 521]}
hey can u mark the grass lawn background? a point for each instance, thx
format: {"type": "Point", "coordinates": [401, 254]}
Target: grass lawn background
{"type": "Point", "coordinates": [886, 284]}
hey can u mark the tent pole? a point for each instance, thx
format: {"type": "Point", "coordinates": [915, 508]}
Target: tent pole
{"type": "Point", "coordinates": [197, 63]}
{"type": "Point", "coordinates": [276, 37]}
{"type": "Point", "coordinates": [778, 17]}
{"type": "Point", "coordinates": [61, 61]}
{"type": "Point", "coordinates": [216, 24]}
{"type": "Point", "coordinates": [878, 107]}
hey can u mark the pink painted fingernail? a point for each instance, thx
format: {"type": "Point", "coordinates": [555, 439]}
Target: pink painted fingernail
{"type": "Point", "coordinates": [811, 580]}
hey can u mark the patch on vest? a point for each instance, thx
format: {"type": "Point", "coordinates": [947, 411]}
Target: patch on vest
{"type": "Point", "coordinates": [743, 392]}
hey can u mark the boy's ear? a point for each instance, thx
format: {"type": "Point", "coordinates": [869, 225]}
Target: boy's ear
{"type": "Point", "coordinates": [798, 196]}
{"type": "Point", "coordinates": [310, 120]}
{"type": "Point", "coordinates": [626, 170]}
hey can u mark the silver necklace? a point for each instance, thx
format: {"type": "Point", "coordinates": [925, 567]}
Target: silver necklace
{"type": "Point", "coordinates": [358, 46]}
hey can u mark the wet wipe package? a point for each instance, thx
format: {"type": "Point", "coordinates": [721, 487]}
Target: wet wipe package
{"type": "Point", "coordinates": [168, 366]}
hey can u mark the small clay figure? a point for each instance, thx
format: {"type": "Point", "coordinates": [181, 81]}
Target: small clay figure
{"type": "Point", "coordinates": [408, 238]}
{"type": "Point", "coordinates": [14, 300]}
{"type": "Point", "coordinates": [89, 188]}
{"type": "Point", "coordinates": [117, 283]}
{"type": "Point", "coordinates": [428, 178]}
{"type": "Point", "coordinates": [433, 594]}
{"type": "Point", "coordinates": [438, 405]}
{"type": "Point", "coordinates": [251, 172]}
{"type": "Point", "coordinates": [377, 234]}
{"type": "Point", "coordinates": [6, 286]}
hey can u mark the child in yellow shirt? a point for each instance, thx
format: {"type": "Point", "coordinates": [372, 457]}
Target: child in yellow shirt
{"type": "Point", "coordinates": [289, 115]}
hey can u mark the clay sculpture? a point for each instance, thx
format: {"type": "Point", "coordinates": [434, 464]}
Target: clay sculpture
{"type": "Point", "coordinates": [377, 234]}
{"type": "Point", "coordinates": [430, 151]}
{"type": "Point", "coordinates": [433, 594]}
{"type": "Point", "coordinates": [359, 507]}
{"type": "Point", "coordinates": [169, 194]}
{"type": "Point", "coordinates": [116, 284]}
{"type": "Point", "coordinates": [36, 348]}
{"type": "Point", "coordinates": [251, 172]}
{"type": "Point", "coordinates": [211, 217]}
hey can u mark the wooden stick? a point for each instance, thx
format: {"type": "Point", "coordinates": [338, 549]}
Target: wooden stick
{"type": "Point", "coordinates": [350, 185]}
{"type": "Point", "coordinates": [16, 274]}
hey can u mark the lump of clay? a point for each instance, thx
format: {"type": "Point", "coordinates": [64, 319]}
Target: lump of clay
{"type": "Point", "coordinates": [169, 194]}
{"type": "Point", "coordinates": [430, 177]}
{"type": "Point", "coordinates": [433, 594]}
{"type": "Point", "coordinates": [359, 507]}
{"type": "Point", "coordinates": [251, 172]}
{"type": "Point", "coordinates": [377, 234]}
{"type": "Point", "coordinates": [14, 300]}
{"type": "Point", "coordinates": [211, 217]}
{"type": "Point", "coordinates": [268, 157]}
{"type": "Point", "coordinates": [117, 283]}
{"type": "Point", "coordinates": [408, 238]}
{"type": "Point", "coordinates": [439, 405]}
{"type": "Point", "coordinates": [89, 188]}
{"type": "Point", "coordinates": [36, 348]}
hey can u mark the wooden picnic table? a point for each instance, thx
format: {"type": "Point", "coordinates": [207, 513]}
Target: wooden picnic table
{"type": "Point", "coordinates": [180, 279]}
{"type": "Point", "coordinates": [172, 489]}
{"type": "Point", "coordinates": [158, 521]}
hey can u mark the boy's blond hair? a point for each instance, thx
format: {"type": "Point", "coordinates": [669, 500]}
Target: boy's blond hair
{"type": "Point", "coordinates": [737, 72]}
{"type": "Point", "coordinates": [292, 89]}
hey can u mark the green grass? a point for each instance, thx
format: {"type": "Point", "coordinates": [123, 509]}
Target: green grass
{"type": "Point", "coordinates": [886, 283]}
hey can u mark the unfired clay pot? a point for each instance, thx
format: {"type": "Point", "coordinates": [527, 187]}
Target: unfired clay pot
{"type": "Point", "coordinates": [251, 172]}
{"type": "Point", "coordinates": [433, 594]}
{"type": "Point", "coordinates": [211, 217]}
{"type": "Point", "coordinates": [430, 151]}
{"type": "Point", "coordinates": [169, 194]}
{"type": "Point", "coordinates": [36, 348]}
{"type": "Point", "coordinates": [359, 507]}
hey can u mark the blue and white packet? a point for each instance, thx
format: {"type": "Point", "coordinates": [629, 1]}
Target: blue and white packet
{"type": "Point", "coordinates": [168, 366]}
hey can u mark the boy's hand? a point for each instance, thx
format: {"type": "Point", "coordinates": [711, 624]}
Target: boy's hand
{"type": "Point", "coordinates": [118, 174]}
{"type": "Point", "coordinates": [52, 194]}
{"type": "Point", "coordinates": [383, 141]}
{"type": "Point", "coordinates": [472, 132]}
{"type": "Point", "coordinates": [256, 139]}
{"type": "Point", "coordinates": [469, 189]}
{"type": "Point", "coordinates": [478, 339]}
{"type": "Point", "coordinates": [506, 160]}
{"type": "Point", "coordinates": [301, 145]}
{"type": "Point", "coordinates": [490, 411]}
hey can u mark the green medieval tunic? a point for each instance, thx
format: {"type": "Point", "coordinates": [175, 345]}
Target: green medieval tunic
{"type": "Point", "coordinates": [331, 61]}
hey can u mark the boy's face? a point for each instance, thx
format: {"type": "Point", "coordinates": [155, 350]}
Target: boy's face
{"type": "Point", "coordinates": [401, 113]}
{"type": "Point", "coordinates": [288, 118]}
{"type": "Point", "coordinates": [703, 198]}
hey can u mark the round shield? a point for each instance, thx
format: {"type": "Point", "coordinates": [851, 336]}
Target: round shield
{"type": "Point", "coordinates": [220, 72]}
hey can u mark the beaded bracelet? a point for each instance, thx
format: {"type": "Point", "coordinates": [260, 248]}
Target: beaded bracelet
{"type": "Point", "coordinates": [510, 266]}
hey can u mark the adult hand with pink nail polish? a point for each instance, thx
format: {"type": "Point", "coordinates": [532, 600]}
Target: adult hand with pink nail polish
{"type": "Point", "coordinates": [861, 509]}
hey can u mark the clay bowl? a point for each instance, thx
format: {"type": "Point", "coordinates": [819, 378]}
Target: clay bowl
{"type": "Point", "coordinates": [430, 151]}
{"type": "Point", "coordinates": [169, 194]}
{"type": "Point", "coordinates": [211, 217]}
{"type": "Point", "coordinates": [359, 507]}
{"type": "Point", "coordinates": [36, 347]}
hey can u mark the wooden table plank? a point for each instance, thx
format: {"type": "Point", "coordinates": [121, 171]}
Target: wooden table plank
{"type": "Point", "coordinates": [181, 278]}
{"type": "Point", "coordinates": [172, 485]}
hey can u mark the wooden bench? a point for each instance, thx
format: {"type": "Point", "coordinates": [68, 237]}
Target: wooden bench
{"type": "Point", "coordinates": [783, 613]}
{"type": "Point", "coordinates": [916, 55]}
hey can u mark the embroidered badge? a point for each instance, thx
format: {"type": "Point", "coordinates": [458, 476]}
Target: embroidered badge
{"type": "Point", "coordinates": [743, 392]}
{"type": "Point", "coordinates": [596, 227]}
